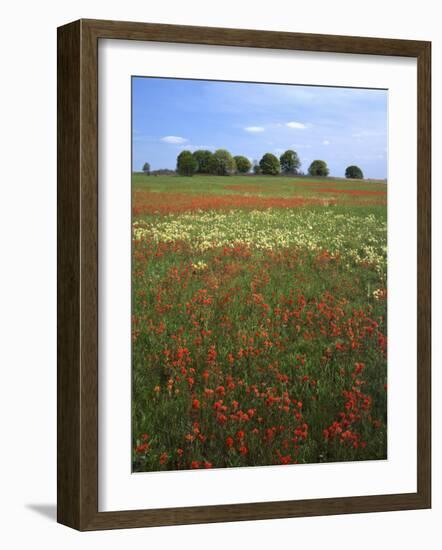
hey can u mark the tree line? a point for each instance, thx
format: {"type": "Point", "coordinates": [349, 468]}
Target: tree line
{"type": "Point", "coordinates": [222, 163]}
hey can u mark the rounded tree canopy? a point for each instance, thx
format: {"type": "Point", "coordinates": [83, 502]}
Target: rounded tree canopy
{"type": "Point", "coordinates": [269, 164]}
{"type": "Point", "coordinates": [222, 163]}
{"type": "Point", "coordinates": [146, 167]}
{"type": "Point", "coordinates": [318, 168]}
{"type": "Point", "coordinates": [202, 157]}
{"type": "Point", "coordinates": [290, 162]}
{"type": "Point", "coordinates": [354, 172]}
{"type": "Point", "coordinates": [243, 164]}
{"type": "Point", "coordinates": [186, 164]}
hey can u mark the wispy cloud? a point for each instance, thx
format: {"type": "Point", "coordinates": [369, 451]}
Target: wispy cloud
{"type": "Point", "coordinates": [296, 125]}
{"type": "Point", "coordinates": [367, 157]}
{"type": "Point", "coordinates": [325, 142]}
{"type": "Point", "coordinates": [368, 133]}
{"type": "Point", "coordinates": [190, 147]}
{"type": "Point", "coordinates": [301, 146]}
{"type": "Point", "coordinates": [254, 129]}
{"type": "Point", "coordinates": [174, 140]}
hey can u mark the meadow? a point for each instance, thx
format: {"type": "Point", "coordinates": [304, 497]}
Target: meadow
{"type": "Point", "coordinates": [259, 321]}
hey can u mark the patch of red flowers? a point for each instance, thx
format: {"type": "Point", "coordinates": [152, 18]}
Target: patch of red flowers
{"type": "Point", "coordinates": [146, 202]}
{"type": "Point", "coordinates": [353, 192]}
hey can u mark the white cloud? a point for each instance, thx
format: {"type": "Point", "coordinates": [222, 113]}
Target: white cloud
{"type": "Point", "coordinates": [254, 129]}
{"type": "Point", "coordinates": [174, 140]}
{"type": "Point", "coordinates": [191, 147]}
{"type": "Point", "coordinates": [296, 125]}
{"type": "Point", "coordinates": [325, 142]}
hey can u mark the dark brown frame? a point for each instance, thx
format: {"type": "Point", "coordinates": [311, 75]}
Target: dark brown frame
{"type": "Point", "coordinates": [77, 461]}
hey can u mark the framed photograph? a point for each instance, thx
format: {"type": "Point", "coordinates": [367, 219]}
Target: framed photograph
{"type": "Point", "coordinates": [243, 274]}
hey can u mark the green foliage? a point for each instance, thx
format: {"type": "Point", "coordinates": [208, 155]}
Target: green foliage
{"type": "Point", "coordinates": [354, 172]}
{"type": "Point", "coordinates": [318, 168]}
{"type": "Point", "coordinates": [222, 163]}
{"type": "Point", "coordinates": [146, 168]}
{"type": "Point", "coordinates": [243, 164]}
{"type": "Point", "coordinates": [202, 157]}
{"type": "Point", "coordinates": [186, 164]}
{"type": "Point", "coordinates": [290, 162]}
{"type": "Point", "coordinates": [269, 165]}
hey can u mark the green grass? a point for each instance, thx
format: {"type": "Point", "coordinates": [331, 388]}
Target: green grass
{"type": "Point", "coordinates": [278, 186]}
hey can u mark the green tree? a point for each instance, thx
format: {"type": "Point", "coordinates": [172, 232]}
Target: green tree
{"type": "Point", "coordinates": [269, 164]}
{"type": "Point", "coordinates": [222, 163]}
{"type": "Point", "coordinates": [290, 162]}
{"type": "Point", "coordinates": [186, 164]}
{"type": "Point", "coordinates": [146, 168]}
{"type": "Point", "coordinates": [354, 172]}
{"type": "Point", "coordinates": [202, 157]}
{"type": "Point", "coordinates": [318, 168]}
{"type": "Point", "coordinates": [243, 164]}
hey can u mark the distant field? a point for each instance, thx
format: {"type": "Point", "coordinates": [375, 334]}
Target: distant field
{"type": "Point", "coordinates": [259, 321]}
{"type": "Point", "coordinates": [261, 185]}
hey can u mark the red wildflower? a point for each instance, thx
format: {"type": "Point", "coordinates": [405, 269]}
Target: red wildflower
{"type": "Point", "coordinates": [142, 448]}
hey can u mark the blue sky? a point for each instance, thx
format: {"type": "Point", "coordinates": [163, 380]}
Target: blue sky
{"type": "Point", "coordinates": [342, 126]}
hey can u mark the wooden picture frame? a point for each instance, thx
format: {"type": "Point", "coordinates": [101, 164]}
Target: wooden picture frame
{"type": "Point", "coordinates": [78, 274]}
